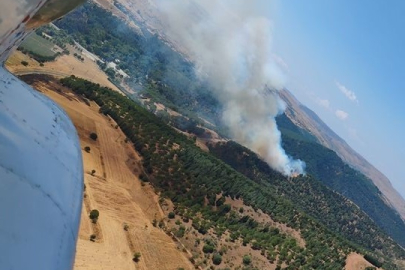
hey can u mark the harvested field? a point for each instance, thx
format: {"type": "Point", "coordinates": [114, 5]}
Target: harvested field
{"type": "Point", "coordinates": [357, 262]}
{"type": "Point", "coordinates": [117, 193]}
{"type": "Point", "coordinates": [63, 66]}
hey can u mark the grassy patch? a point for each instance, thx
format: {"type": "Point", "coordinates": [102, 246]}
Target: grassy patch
{"type": "Point", "coordinates": [38, 46]}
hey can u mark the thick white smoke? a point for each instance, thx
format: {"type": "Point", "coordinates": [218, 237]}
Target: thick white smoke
{"type": "Point", "coordinates": [230, 46]}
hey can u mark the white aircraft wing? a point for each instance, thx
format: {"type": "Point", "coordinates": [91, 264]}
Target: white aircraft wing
{"type": "Point", "coordinates": [41, 180]}
{"type": "Point", "coordinates": [41, 169]}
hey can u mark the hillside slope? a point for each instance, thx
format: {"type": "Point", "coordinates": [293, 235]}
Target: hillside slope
{"type": "Point", "coordinates": [308, 120]}
{"type": "Point", "coordinates": [116, 192]}
{"type": "Point", "coordinates": [172, 82]}
{"type": "Point", "coordinates": [198, 184]}
{"type": "Point", "coordinates": [144, 12]}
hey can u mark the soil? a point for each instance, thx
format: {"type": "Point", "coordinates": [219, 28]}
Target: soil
{"type": "Point", "coordinates": [127, 207]}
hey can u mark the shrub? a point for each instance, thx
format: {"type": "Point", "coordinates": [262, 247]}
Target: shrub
{"type": "Point", "coordinates": [144, 178]}
{"type": "Point", "coordinates": [181, 231]}
{"type": "Point", "coordinates": [208, 249]}
{"type": "Point", "coordinates": [93, 172]}
{"type": "Point", "coordinates": [24, 63]}
{"type": "Point", "coordinates": [171, 215]}
{"type": "Point", "coordinates": [87, 149]}
{"type": "Point", "coordinates": [93, 238]}
{"type": "Point", "coordinates": [220, 201]}
{"type": "Point", "coordinates": [372, 260]}
{"type": "Point", "coordinates": [247, 260]}
{"type": "Point", "coordinates": [94, 214]}
{"type": "Point", "coordinates": [93, 136]}
{"type": "Point", "coordinates": [226, 208]}
{"type": "Point", "coordinates": [216, 259]}
{"type": "Point", "coordinates": [137, 257]}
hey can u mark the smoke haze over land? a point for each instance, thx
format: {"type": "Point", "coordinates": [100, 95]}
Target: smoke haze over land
{"type": "Point", "coordinates": [231, 48]}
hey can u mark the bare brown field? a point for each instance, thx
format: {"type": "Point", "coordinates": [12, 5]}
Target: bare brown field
{"type": "Point", "coordinates": [356, 262]}
{"type": "Point", "coordinates": [117, 193]}
{"type": "Point", "coordinates": [63, 66]}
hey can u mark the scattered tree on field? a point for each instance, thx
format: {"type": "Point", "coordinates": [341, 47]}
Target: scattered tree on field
{"type": "Point", "coordinates": [93, 136]}
{"type": "Point", "coordinates": [94, 214]}
{"type": "Point", "coordinates": [216, 259]}
{"type": "Point", "coordinates": [93, 238]}
{"type": "Point", "coordinates": [137, 257]}
{"type": "Point", "coordinates": [247, 260]}
{"type": "Point", "coordinates": [208, 249]}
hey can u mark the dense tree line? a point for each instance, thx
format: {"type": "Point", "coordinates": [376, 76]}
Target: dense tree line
{"type": "Point", "coordinates": [329, 207]}
{"type": "Point", "coordinates": [326, 166]}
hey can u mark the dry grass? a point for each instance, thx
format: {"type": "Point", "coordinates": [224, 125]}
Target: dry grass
{"type": "Point", "coordinates": [117, 193]}
{"type": "Point", "coordinates": [357, 262]}
{"type": "Point", "coordinates": [63, 66]}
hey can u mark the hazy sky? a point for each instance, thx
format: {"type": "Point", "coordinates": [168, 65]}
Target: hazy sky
{"type": "Point", "coordinates": [345, 60]}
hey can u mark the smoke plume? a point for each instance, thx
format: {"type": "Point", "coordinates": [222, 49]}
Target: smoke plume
{"type": "Point", "coordinates": [230, 46]}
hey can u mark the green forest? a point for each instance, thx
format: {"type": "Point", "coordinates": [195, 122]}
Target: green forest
{"type": "Point", "coordinates": [326, 166]}
{"type": "Point", "coordinates": [331, 225]}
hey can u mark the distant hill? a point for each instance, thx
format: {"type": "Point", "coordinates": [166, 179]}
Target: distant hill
{"type": "Point", "coordinates": [305, 118]}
